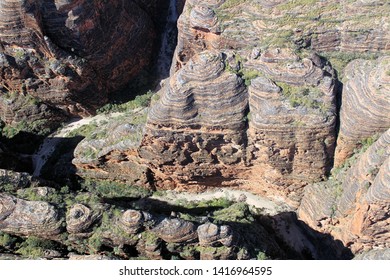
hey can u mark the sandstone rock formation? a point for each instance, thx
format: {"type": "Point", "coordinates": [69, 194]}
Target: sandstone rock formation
{"type": "Point", "coordinates": [365, 104]}
{"type": "Point", "coordinates": [195, 130]}
{"type": "Point", "coordinates": [380, 254]}
{"type": "Point", "coordinates": [68, 55]}
{"type": "Point", "coordinates": [111, 152]}
{"type": "Point", "coordinates": [292, 119]}
{"type": "Point", "coordinates": [211, 234]}
{"type": "Point", "coordinates": [176, 230]}
{"type": "Point", "coordinates": [80, 218]}
{"type": "Point", "coordinates": [23, 217]}
{"type": "Point", "coordinates": [356, 207]}
{"type": "Point", "coordinates": [254, 101]}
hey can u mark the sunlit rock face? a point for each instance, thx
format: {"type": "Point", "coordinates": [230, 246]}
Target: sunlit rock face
{"type": "Point", "coordinates": [357, 211]}
{"type": "Point", "coordinates": [195, 131]}
{"type": "Point", "coordinates": [365, 104]}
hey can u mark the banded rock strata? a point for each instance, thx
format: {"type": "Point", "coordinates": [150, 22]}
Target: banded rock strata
{"type": "Point", "coordinates": [68, 55]}
{"type": "Point", "coordinates": [195, 130]}
{"type": "Point", "coordinates": [86, 227]}
{"type": "Point", "coordinates": [357, 210]}
{"type": "Point", "coordinates": [365, 104]}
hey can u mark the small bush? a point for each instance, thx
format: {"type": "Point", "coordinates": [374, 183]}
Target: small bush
{"type": "Point", "coordinates": [138, 102]}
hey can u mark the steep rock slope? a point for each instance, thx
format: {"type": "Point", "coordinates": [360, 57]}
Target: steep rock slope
{"type": "Point", "coordinates": [365, 104]}
{"type": "Point", "coordinates": [195, 131]}
{"type": "Point", "coordinates": [356, 205]}
{"type": "Point", "coordinates": [68, 55]}
{"type": "Point", "coordinates": [292, 121]}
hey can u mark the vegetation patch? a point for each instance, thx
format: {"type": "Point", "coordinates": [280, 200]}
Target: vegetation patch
{"type": "Point", "coordinates": [109, 189]}
{"type": "Point", "coordinates": [138, 102]}
{"type": "Point", "coordinates": [339, 60]}
{"type": "Point", "coordinates": [307, 96]}
{"type": "Point", "coordinates": [34, 247]}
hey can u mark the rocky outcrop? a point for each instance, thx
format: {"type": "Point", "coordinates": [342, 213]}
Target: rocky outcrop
{"type": "Point", "coordinates": [356, 207]}
{"type": "Point", "coordinates": [365, 104]}
{"type": "Point", "coordinates": [378, 254]}
{"type": "Point", "coordinates": [21, 217]}
{"type": "Point", "coordinates": [211, 235]}
{"type": "Point", "coordinates": [69, 55]}
{"type": "Point", "coordinates": [133, 221]}
{"type": "Point", "coordinates": [292, 120]}
{"type": "Point", "coordinates": [195, 130]}
{"type": "Point", "coordinates": [80, 218]}
{"type": "Point", "coordinates": [110, 153]}
{"type": "Point", "coordinates": [176, 230]}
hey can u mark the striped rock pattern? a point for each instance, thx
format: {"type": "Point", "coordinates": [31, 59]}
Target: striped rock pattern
{"type": "Point", "coordinates": [365, 104]}
{"type": "Point", "coordinates": [70, 55]}
{"type": "Point", "coordinates": [80, 218]}
{"type": "Point", "coordinates": [291, 131]}
{"type": "Point", "coordinates": [22, 217]}
{"type": "Point", "coordinates": [359, 215]}
{"type": "Point", "coordinates": [195, 131]}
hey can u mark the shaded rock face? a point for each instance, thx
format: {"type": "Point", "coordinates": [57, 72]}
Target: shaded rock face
{"type": "Point", "coordinates": [359, 215]}
{"type": "Point", "coordinates": [365, 104]}
{"type": "Point", "coordinates": [111, 154]}
{"type": "Point", "coordinates": [69, 55]}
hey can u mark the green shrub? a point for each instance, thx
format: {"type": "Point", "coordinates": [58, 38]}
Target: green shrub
{"type": "Point", "coordinates": [7, 240]}
{"type": "Point", "coordinates": [109, 189]}
{"type": "Point", "coordinates": [34, 247]}
{"type": "Point", "coordinates": [139, 101]}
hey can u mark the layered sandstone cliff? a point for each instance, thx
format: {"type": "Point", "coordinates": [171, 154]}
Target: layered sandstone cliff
{"type": "Point", "coordinates": [365, 104]}
{"type": "Point", "coordinates": [66, 57]}
{"type": "Point", "coordinates": [356, 207]}
{"type": "Point", "coordinates": [253, 101]}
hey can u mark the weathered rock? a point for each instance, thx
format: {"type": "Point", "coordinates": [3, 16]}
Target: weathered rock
{"type": "Point", "coordinates": [376, 254]}
{"type": "Point", "coordinates": [317, 205]}
{"type": "Point", "coordinates": [23, 217]}
{"type": "Point", "coordinates": [176, 230]}
{"type": "Point", "coordinates": [133, 221]}
{"type": "Point", "coordinates": [365, 104]}
{"type": "Point", "coordinates": [111, 152]}
{"type": "Point", "coordinates": [292, 120]}
{"type": "Point", "coordinates": [69, 55]}
{"type": "Point", "coordinates": [210, 235]}
{"type": "Point", "coordinates": [17, 179]}
{"type": "Point", "coordinates": [358, 213]}
{"type": "Point", "coordinates": [195, 130]}
{"type": "Point", "coordinates": [80, 218]}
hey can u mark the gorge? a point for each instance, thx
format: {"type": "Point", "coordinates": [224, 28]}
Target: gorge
{"type": "Point", "coordinates": [264, 132]}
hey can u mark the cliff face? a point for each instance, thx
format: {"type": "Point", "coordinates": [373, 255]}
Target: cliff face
{"type": "Point", "coordinates": [68, 56]}
{"type": "Point", "coordinates": [356, 207]}
{"type": "Point", "coordinates": [195, 132]}
{"type": "Point", "coordinates": [287, 99]}
{"type": "Point", "coordinates": [259, 114]}
{"type": "Point", "coordinates": [365, 104]}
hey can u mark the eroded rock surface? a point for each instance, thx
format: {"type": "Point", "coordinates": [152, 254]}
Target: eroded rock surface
{"type": "Point", "coordinates": [365, 104]}
{"type": "Point", "coordinates": [356, 208]}
{"type": "Point", "coordinates": [23, 217]}
{"type": "Point", "coordinates": [195, 130]}
{"type": "Point", "coordinates": [64, 58]}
